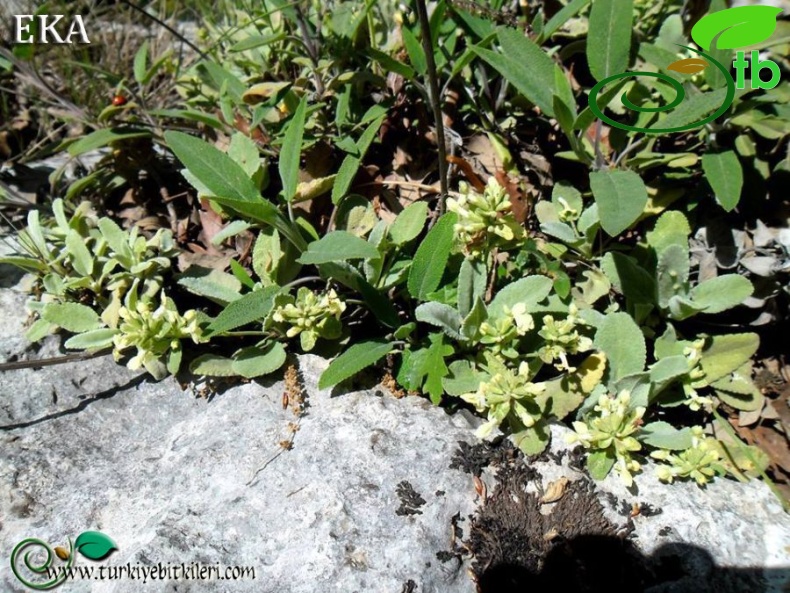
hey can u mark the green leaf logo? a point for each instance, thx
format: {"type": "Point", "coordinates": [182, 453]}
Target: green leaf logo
{"type": "Point", "coordinates": [94, 545]}
{"type": "Point", "coordinates": [735, 27]}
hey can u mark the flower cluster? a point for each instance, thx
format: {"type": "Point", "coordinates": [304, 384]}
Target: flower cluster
{"type": "Point", "coordinates": [507, 394]}
{"type": "Point", "coordinates": [485, 220]}
{"type": "Point", "coordinates": [501, 334]}
{"type": "Point", "coordinates": [562, 338]}
{"type": "Point", "coordinates": [693, 354]}
{"type": "Point", "coordinates": [611, 431]}
{"type": "Point", "coordinates": [156, 334]}
{"type": "Point", "coordinates": [701, 461]}
{"type": "Point", "coordinates": [311, 316]}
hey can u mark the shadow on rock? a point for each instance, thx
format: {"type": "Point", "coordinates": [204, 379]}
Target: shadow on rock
{"type": "Point", "coordinates": [607, 564]}
{"type": "Point", "coordinates": [106, 394]}
{"type": "Point", "coordinates": [526, 539]}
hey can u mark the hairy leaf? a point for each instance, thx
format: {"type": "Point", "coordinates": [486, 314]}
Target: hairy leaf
{"type": "Point", "coordinates": [722, 293]}
{"type": "Point", "coordinates": [409, 223]}
{"type": "Point", "coordinates": [431, 258]}
{"type": "Point", "coordinates": [726, 353]}
{"type": "Point", "coordinates": [353, 360]}
{"type": "Point", "coordinates": [291, 153]}
{"type": "Point", "coordinates": [609, 41]}
{"type": "Point", "coordinates": [255, 362]}
{"type": "Point", "coordinates": [724, 174]}
{"type": "Point", "coordinates": [337, 246]}
{"type": "Point", "coordinates": [253, 306]}
{"type": "Point", "coordinates": [72, 317]}
{"type": "Point", "coordinates": [530, 291]}
{"type": "Point", "coordinates": [442, 316]}
{"type": "Point", "coordinates": [665, 436]}
{"type": "Point", "coordinates": [620, 338]}
{"type": "Point", "coordinates": [621, 197]}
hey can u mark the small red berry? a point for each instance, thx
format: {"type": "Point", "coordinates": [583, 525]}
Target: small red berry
{"type": "Point", "coordinates": [118, 100]}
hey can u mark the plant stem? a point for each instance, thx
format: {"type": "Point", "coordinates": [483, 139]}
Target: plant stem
{"type": "Point", "coordinates": [161, 23]}
{"type": "Point", "coordinates": [725, 425]}
{"type": "Point", "coordinates": [46, 362]}
{"type": "Point", "coordinates": [433, 85]}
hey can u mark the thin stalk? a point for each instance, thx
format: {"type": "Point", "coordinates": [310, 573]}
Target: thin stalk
{"type": "Point", "coordinates": [436, 104]}
{"type": "Point", "coordinates": [161, 23]}
{"type": "Point", "coordinates": [745, 449]}
{"type": "Point", "coordinates": [46, 362]}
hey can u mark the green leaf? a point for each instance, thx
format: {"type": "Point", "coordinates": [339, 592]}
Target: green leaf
{"type": "Point", "coordinates": [337, 246]}
{"type": "Point", "coordinates": [562, 16]}
{"type": "Point", "coordinates": [94, 545]}
{"type": "Point", "coordinates": [621, 197]}
{"type": "Point", "coordinates": [92, 340]}
{"type": "Point", "coordinates": [28, 264]}
{"type": "Point", "coordinates": [563, 396]}
{"type": "Point", "coordinates": [442, 316]}
{"type": "Point", "coordinates": [692, 109]}
{"type": "Point", "coordinates": [291, 152]}
{"type": "Point", "coordinates": [140, 62]}
{"type": "Point", "coordinates": [345, 177]}
{"type": "Point", "coordinates": [532, 441]}
{"type": "Point", "coordinates": [103, 137]}
{"type": "Point", "coordinates": [229, 183]}
{"type": "Point", "coordinates": [415, 51]}
{"type": "Point", "coordinates": [72, 317]}
{"type": "Point", "coordinates": [724, 174]}
{"type": "Point", "coordinates": [116, 238]}
{"type": "Point", "coordinates": [726, 353]}
{"type": "Point", "coordinates": [530, 291]}
{"type": "Point", "coordinates": [665, 436]}
{"type": "Point", "coordinates": [672, 273]}
{"type": "Point", "coordinates": [738, 390]}
{"type": "Point", "coordinates": [211, 365]}
{"type": "Point", "coordinates": [431, 258]}
{"type": "Point", "coordinates": [379, 304]}
{"type": "Point", "coordinates": [252, 307]}
{"type": "Point", "coordinates": [671, 228]}
{"type": "Point", "coordinates": [629, 278]}
{"type": "Point", "coordinates": [623, 343]}
{"type": "Point", "coordinates": [609, 40]}
{"type": "Point", "coordinates": [461, 378]}
{"type": "Point", "coordinates": [81, 258]}
{"type": "Point", "coordinates": [739, 27]}
{"type": "Point", "coordinates": [472, 322]}
{"type": "Point", "coordinates": [254, 361]}
{"type": "Point", "coordinates": [722, 293]}
{"type": "Point", "coordinates": [668, 368]}
{"type": "Point", "coordinates": [353, 360]}
{"type": "Point", "coordinates": [471, 284]}
{"type": "Point", "coordinates": [600, 463]}
{"type": "Point", "coordinates": [350, 165]}
{"type": "Point", "coordinates": [215, 285]}
{"type": "Point", "coordinates": [435, 369]}
{"type": "Point", "coordinates": [409, 223]}
{"type": "Point", "coordinates": [525, 66]}
{"type": "Point", "coordinates": [245, 152]}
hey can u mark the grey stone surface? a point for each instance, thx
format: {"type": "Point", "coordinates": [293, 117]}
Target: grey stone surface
{"type": "Point", "coordinates": [177, 479]}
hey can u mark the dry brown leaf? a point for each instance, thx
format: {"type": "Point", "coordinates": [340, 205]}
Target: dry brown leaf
{"type": "Point", "coordinates": [555, 491]}
{"type": "Point", "coordinates": [774, 444]}
{"type": "Point", "coordinates": [688, 66]}
{"type": "Point", "coordinates": [519, 203]}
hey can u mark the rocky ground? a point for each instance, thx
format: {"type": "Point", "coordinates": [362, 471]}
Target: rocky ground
{"type": "Point", "coordinates": [341, 491]}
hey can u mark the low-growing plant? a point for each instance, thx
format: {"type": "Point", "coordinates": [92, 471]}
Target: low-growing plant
{"type": "Point", "coordinates": [570, 298]}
